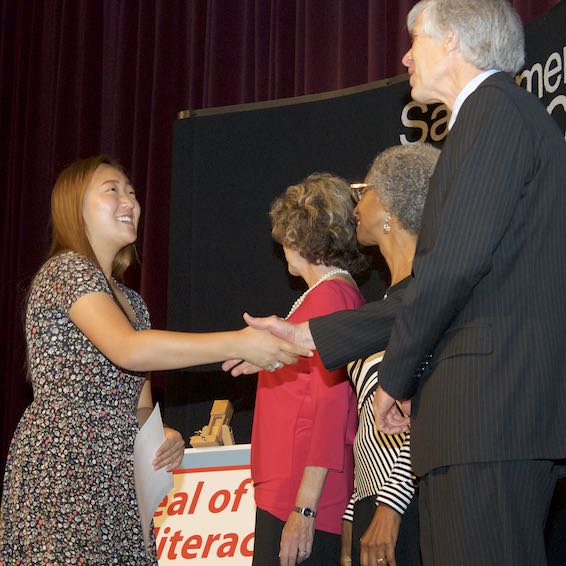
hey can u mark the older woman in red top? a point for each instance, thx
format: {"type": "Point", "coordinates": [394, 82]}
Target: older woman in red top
{"type": "Point", "coordinates": [305, 416]}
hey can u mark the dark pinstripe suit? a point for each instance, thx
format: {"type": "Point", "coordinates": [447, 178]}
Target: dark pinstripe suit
{"type": "Point", "coordinates": [488, 296]}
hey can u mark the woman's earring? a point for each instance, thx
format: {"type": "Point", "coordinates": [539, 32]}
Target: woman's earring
{"type": "Point", "coordinates": [386, 225]}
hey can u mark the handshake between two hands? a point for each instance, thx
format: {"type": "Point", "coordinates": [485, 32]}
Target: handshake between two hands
{"type": "Point", "coordinates": [274, 343]}
{"type": "Point", "coordinates": [277, 342]}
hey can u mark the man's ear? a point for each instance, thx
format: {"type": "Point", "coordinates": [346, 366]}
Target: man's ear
{"type": "Point", "coordinates": [451, 42]}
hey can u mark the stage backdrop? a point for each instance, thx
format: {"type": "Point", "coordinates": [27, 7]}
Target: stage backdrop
{"type": "Point", "coordinates": [230, 163]}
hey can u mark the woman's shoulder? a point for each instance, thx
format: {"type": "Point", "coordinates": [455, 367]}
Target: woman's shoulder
{"type": "Point", "coordinates": [332, 295]}
{"type": "Point", "coordinates": [344, 292]}
{"type": "Point", "coordinates": [66, 265]}
{"type": "Point", "coordinates": [68, 260]}
{"type": "Point", "coordinates": [69, 275]}
{"type": "Point", "coordinates": [62, 279]}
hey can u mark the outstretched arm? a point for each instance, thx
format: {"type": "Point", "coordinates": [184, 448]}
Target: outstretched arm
{"type": "Point", "coordinates": [105, 325]}
{"type": "Point", "coordinates": [344, 336]}
{"type": "Point", "coordinates": [339, 337]}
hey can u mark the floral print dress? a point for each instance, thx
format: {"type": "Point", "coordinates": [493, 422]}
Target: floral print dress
{"type": "Point", "coordinates": [68, 489]}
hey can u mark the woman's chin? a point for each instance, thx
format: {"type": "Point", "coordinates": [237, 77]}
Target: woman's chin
{"type": "Point", "coordinates": [367, 242]}
{"type": "Point", "coordinates": [361, 237]}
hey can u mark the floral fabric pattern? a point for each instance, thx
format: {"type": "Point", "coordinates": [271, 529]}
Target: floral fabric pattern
{"type": "Point", "coordinates": [68, 488]}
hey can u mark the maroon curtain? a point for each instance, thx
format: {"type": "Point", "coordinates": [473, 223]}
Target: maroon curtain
{"type": "Point", "coordinates": [79, 77]}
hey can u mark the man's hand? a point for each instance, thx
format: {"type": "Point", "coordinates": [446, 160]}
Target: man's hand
{"type": "Point", "coordinates": [388, 418]}
{"type": "Point", "coordinates": [298, 334]}
{"type": "Point", "coordinates": [263, 349]}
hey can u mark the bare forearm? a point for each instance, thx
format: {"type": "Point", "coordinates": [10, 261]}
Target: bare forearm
{"type": "Point", "coordinates": [346, 550]}
{"type": "Point", "coordinates": [311, 486]}
{"type": "Point", "coordinates": [102, 322]}
{"type": "Point", "coordinates": [154, 350]}
{"type": "Point", "coordinates": [298, 533]}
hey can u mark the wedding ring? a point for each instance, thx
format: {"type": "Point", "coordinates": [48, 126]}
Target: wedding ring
{"type": "Point", "coordinates": [302, 552]}
{"type": "Point", "coordinates": [277, 365]}
{"type": "Point", "coordinates": [381, 560]}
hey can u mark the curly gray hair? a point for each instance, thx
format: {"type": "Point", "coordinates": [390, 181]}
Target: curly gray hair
{"type": "Point", "coordinates": [400, 175]}
{"type": "Point", "coordinates": [490, 32]}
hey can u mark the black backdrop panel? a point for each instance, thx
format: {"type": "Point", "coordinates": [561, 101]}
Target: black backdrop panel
{"type": "Point", "coordinates": [229, 167]}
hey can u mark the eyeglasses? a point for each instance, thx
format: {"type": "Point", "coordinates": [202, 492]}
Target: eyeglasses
{"type": "Point", "coordinates": [358, 189]}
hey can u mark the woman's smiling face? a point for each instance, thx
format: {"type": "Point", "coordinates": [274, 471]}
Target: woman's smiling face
{"type": "Point", "coordinates": [110, 209]}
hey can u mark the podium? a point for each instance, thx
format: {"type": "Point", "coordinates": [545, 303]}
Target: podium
{"type": "Point", "coordinates": [209, 515]}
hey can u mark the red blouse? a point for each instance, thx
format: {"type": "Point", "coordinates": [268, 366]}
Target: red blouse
{"type": "Point", "coordinates": [306, 415]}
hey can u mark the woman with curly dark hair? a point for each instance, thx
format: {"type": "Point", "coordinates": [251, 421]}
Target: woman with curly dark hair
{"type": "Point", "coordinates": [303, 480]}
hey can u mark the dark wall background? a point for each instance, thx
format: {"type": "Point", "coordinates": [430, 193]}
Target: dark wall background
{"type": "Point", "coordinates": [229, 166]}
{"type": "Point", "coordinates": [89, 76]}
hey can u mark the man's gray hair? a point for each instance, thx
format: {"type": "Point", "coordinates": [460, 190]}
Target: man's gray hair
{"type": "Point", "coordinates": [490, 32]}
{"type": "Point", "coordinates": [400, 175]}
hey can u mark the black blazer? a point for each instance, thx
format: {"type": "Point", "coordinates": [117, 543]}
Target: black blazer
{"type": "Point", "coordinates": [488, 298]}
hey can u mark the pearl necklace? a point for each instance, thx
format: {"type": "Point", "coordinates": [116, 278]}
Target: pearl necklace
{"type": "Point", "coordinates": [299, 301]}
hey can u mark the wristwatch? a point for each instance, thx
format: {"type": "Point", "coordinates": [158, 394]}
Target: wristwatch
{"type": "Point", "coordinates": [305, 511]}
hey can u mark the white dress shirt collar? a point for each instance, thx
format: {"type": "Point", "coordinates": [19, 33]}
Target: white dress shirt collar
{"type": "Point", "coordinates": [466, 91]}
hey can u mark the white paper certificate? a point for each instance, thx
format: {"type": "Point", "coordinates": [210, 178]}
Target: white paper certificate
{"type": "Point", "coordinates": [151, 485]}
